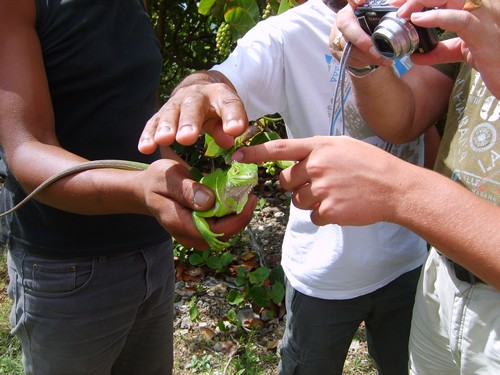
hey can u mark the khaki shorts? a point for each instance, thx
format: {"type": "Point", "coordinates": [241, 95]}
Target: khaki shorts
{"type": "Point", "coordinates": [455, 326]}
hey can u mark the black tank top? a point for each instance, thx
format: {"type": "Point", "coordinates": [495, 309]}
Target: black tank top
{"type": "Point", "coordinates": [103, 66]}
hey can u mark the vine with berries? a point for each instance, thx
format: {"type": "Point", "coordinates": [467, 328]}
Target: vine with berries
{"type": "Point", "coordinates": [236, 17]}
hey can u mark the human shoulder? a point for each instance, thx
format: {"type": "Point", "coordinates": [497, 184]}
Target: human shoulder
{"type": "Point", "coordinates": [298, 22]}
{"type": "Point", "coordinates": [311, 11]}
{"type": "Point", "coordinates": [15, 15]}
{"type": "Point", "coordinates": [17, 29]}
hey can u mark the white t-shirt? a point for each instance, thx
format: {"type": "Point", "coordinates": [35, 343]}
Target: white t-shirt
{"type": "Point", "coordinates": [283, 65]}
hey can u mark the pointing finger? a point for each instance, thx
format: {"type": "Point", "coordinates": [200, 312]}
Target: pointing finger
{"type": "Point", "coordinates": [283, 149]}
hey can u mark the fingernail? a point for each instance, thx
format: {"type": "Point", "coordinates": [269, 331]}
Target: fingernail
{"type": "Point", "coordinates": [373, 51]}
{"type": "Point", "coordinates": [163, 127]}
{"type": "Point", "coordinates": [201, 198]}
{"type": "Point", "coordinates": [417, 16]}
{"type": "Point", "coordinates": [237, 156]}
{"type": "Point", "coordinates": [233, 124]}
{"type": "Point", "coordinates": [186, 127]}
{"type": "Point", "coordinates": [144, 140]}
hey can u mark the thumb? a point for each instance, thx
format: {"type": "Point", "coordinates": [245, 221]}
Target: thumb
{"type": "Point", "coordinates": [174, 180]}
{"type": "Point", "coordinates": [202, 196]}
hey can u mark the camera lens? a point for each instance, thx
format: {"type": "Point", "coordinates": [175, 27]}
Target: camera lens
{"type": "Point", "coordinates": [395, 37]}
{"type": "Point", "coordinates": [384, 46]}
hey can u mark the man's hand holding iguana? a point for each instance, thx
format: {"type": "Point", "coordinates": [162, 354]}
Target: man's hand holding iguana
{"type": "Point", "coordinates": [203, 103]}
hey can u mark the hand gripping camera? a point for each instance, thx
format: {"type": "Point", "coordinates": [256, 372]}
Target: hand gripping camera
{"type": "Point", "coordinates": [393, 36]}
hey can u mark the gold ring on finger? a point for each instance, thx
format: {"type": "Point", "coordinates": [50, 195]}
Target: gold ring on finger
{"type": "Point", "coordinates": [337, 43]}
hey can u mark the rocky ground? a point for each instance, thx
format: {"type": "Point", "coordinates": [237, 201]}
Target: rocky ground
{"type": "Point", "coordinates": [212, 344]}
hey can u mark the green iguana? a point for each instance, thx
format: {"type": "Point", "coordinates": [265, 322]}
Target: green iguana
{"type": "Point", "coordinates": [231, 189]}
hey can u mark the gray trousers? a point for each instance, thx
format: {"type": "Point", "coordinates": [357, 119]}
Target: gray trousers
{"type": "Point", "coordinates": [319, 332]}
{"type": "Point", "coordinates": [101, 315]}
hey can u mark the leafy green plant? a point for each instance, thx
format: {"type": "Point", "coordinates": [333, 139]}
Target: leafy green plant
{"type": "Point", "coordinates": [181, 252]}
{"type": "Point", "coordinates": [193, 309]}
{"type": "Point", "coordinates": [257, 287]}
{"type": "Point", "coordinates": [201, 365]}
{"type": "Point", "coordinates": [260, 204]}
{"type": "Point", "coordinates": [249, 360]}
{"type": "Point", "coordinates": [214, 260]}
{"type": "Point", "coordinates": [236, 17]}
{"type": "Point", "coordinates": [232, 318]}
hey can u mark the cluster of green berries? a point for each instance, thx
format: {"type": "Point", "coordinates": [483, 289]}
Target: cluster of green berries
{"type": "Point", "coordinates": [223, 39]}
{"type": "Point", "coordinates": [270, 167]}
{"type": "Point", "coordinates": [267, 11]}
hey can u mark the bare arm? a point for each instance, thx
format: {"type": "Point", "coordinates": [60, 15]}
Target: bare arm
{"type": "Point", "coordinates": [27, 133]}
{"type": "Point", "coordinates": [397, 109]}
{"type": "Point", "coordinates": [27, 127]}
{"type": "Point", "coordinates": [367, 185]}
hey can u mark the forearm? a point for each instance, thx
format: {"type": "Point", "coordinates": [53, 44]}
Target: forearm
{"type": "Point", "coordinates": [458, 223]}
{"type": "Point", "coordinates": [367, 185]}
{"type": "Point", "coordinates": [385, 103]}
{"type": "Point", "coordinates": [91, 192]}
{"type": "Point", "coordinates": [401, 109]}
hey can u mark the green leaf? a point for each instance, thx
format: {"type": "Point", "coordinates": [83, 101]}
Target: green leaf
{"type": "Point", "coordinates": [285, 5]}
{"type": "Point", "coordinates": [277, 292]}
{"type": "Point", "coordinates": [205, 6]}
{"type": "Point", "coordinates": [241, 15]}
{"type": "Point", "coordinates": [231, 315]}
{"type": "Point", "coordinates": [213, 150]}
{"type": "Point", "coordinates": [240, 281]}
{"type": "Point", "coordinates": [226, 259]}
{"type": "Point", "coordinates": [234, 297]}
{"type": "Point", "coordinates": [260, 275]}
{"type": "Point", "coordinates": [262, 203]}
{"type": "Point", "coordinates": [242, 272]}
{"type": "Point", "coordinates": [196, 259]}
{"type": "Point", "coordinates": [259, 295]}
{"type": "Point", "coordinates": [264, 137]}
{"type": "Point", "coordinates": [206, 253]}
{"type": "Point", "coordinates": [214, 263]}
{"type": "Point", "coordinates": [284, 164]}
{"type": "Point", "coordinates": [277, 275]}
{"type": "Point", "coordinates": [218, 9]}
{"type": "Point", "coordinates": [193, 313]}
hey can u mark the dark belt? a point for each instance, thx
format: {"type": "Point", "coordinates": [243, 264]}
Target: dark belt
{"type": "Point", "coordinates": [463, 275]}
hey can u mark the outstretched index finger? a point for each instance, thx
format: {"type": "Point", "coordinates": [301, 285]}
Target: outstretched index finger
{"type": "Point", "coordinates": [282, 149]}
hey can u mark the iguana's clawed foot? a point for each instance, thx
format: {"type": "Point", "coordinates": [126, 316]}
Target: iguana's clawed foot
{"type": "Point", "coordinates": [208, 235]}
{"type": "Point", "coordinates": [215, 244]}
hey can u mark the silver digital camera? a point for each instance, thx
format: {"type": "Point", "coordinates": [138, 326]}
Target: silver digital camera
{"type": "Point", "coordinates": [393, 36]}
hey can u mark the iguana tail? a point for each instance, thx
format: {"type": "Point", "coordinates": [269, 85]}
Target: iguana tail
{"type": "Point", "coordinates": [95, 164]}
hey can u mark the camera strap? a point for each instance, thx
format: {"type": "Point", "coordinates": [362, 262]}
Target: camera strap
{"type": "Point", "coordinates": [340, 92]}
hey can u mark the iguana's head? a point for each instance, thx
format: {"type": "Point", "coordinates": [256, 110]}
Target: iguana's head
{"type": "Point", "coordinates": [242, 174]}
{"type": "Point", "coordinates": [241, 178]}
